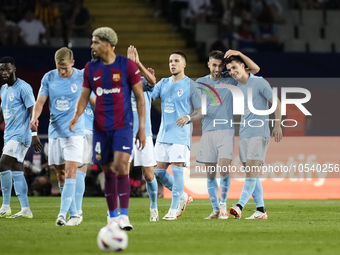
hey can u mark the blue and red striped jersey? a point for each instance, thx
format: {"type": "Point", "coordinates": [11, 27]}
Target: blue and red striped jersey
{"type": "Point", "coordinates": [112, 85]}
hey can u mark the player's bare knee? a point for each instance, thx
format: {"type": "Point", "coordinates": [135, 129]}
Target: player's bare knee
{"type": "Point", "coordinates": [148, 173]}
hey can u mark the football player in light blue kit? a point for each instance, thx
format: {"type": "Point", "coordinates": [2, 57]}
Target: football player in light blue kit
{"type": "Point", "coordinates": [145, 157]}
{"type": "Point", "coordinates": [254, 137]}
{"type": "Point", "coordinates": [17, 102]}
{"type": "Point", "coordinates": [178, 96]}
{"type": "Point", "coordinates": [217, 143]}
{"type": "Point", "coordinates": [63, 86]}
{"type": "Point", "coordinates": [87, 154]}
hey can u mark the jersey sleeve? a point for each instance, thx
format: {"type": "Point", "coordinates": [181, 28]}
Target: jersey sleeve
{"type": "Point", "coordinates": [133, 73]}
{"type": "Point", "coordinates": [195, 95]}
{"type": "Point", "coordinates": [44, 85]}
{"type": "Point", "coordinates": [27, 96]}
{"type": "Point", "coordinates": [157, 90]}
{"type": "Point", "coordinates": [86, 80]}
{"type": "Point", "coordinates": [146, 87]}
{"type": "Point", "coordinates": [265, 89]}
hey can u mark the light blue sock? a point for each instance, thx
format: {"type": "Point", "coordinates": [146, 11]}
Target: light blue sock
{"type": "Point", "coordinates": [213, 192]}
{"type": "Point", "coordinates": [61, 187]}
{"type": "Point", "coordinates": [258, 193]}
{"type": "Point", "coordinates": [166, 179]}
{"type": "Point", "coordinates": [20, 187]}
{"type": "Point", "coordinates": [177, 188]}
{"type": "Point", "coordinates": [6, 186]}
{"type": "Point", "coordinates": [152, 188]}
{"type": "Point", "coordinates": [67, 196]}
{"type": "Point", "coordinates": [225, 184]}
{"type": "Point", "coordinates": [80, 189]}
{"type": "Point", "coordinates": [247, 191]}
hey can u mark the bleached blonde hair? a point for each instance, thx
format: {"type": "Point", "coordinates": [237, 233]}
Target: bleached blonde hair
{"type": "Point", "coordinates": [106, 34]}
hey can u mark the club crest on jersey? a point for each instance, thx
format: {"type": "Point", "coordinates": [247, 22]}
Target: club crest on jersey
{"type": "Point", "coordinates": [180, 93]}
{"type": "Point", "coordinates": [116, 77]}
{"type": "Point", "coordinates": [11, 97]}
{"type": "Point", "coordinates": [74, 88]}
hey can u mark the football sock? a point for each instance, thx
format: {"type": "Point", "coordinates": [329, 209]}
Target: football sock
{"type": "Point", "coordinates": [123, 190]}
{"type": "Point", "coordinates": [61, 187]}
{"type": "Point", "coordinates": [258, 195]}
{"type": "Point", "coordinates": [80, 189]}
{"type": "Point", "coordinates": [240, 206]}
{"type": "Point", "coordinates": [20, 186]}
{"type": "Point", "coordinates": [261, 209]}
{"type": "Point", "coordinates": [67, 196]}
{"type": "Point", "coordinates": [110, 190]}
{"type": "Point", "coordinates": [166, 179]}
{"type": "Point", "coordinates": [178, 185]}
{"type": "Point", "coordinates": [247, 191]}
{"type": "Point", "coordinates": [6, 186]}
{"type": "Point", "coordinates": [213, 192]}
{"type": "Point", "coordinates": [152, 188]}
{"type": "Point", "coordinates": [225, 184]}
{"type": "Point", "coordinates": [73, 207]}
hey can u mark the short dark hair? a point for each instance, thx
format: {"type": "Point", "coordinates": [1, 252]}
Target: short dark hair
{"type": "Point", "coordinates": [216, 54]}
{"type": "Point", "coordinates": [234, 58]}
{"type": "Point", "coordinates": [182, 55]}
{"type": "Point", "coordinates": [7, 59]}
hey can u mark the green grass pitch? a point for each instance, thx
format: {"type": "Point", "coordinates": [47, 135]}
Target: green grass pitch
{"type": "Point", "coordinates": [293, 227]}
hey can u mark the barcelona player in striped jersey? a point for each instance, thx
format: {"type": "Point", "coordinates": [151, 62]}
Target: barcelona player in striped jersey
{"type": "Point", "coordinates": [112, 77]}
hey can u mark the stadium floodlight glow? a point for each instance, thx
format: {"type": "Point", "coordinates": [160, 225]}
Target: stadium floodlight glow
{"type": "Point", "coordinates": [238, 100]}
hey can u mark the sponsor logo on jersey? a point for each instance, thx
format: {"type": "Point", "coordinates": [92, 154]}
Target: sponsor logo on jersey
{"type": "Point", "coordinates": [62, 104]}
{"type": "Point", "coordinates": [116, 77]}
{"type": "Point", "coordinates": [100, 91]}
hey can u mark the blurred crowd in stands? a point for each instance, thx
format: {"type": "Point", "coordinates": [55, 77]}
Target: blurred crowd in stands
{"type": "Point", "coordinates": [252, 24]}
{"type": "Point", "coordinates": [37, 22]}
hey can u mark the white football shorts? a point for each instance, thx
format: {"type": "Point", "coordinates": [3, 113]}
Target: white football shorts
{"type": "Point", "coordinates": [87, 152]}
{"type": "Point", "coordinates": [215, 145]}
{"type": "Point", "coordinates": [172, 153]}
{"type": "Point", "coordinates": [145, 157]}
{"type": "Point", "coordinates": [66, 148]}
{"type": "Point", "coordinates": [253, 148]}
{"type": "Point", "coordinates": [16, 150]}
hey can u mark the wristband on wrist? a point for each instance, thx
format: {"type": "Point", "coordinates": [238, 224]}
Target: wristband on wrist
{"type": "Point", "coordinates": [34, 133]}
{"type": "Point", "coordinates": [189, 117]}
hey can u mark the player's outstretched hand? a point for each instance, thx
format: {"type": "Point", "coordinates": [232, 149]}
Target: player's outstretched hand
{"type": "Point", "coordinates": [72, 124]}
{"type": "Point", "coordinates": [131, 54]}
{"type": "Point", "coordinates": [277, 133]}
{"type": "Point", "coordinates": [182, 121]}
{"type": "Point", "coordinates": [37, 146]}
{"type": "Point", "coordinates": [232, 53]}
{"type": "Point", "coordinates": [140, 139]}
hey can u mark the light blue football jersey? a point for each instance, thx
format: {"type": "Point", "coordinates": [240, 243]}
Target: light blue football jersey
{"type": "Point", "coordinates": [147, 96]}
{"type": "Point", "coordinates": [88, 114]}
{"type": "Point", "coordinates": [15, 100]}
{"type": "Point", "coordinates": [63, 95]}
{"type": "Point", "coordinates": [216, 110]}
{"type": "Point", "coordinates": [176, 100]}
{"type": "Point", "coordinates": [262, 92]}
